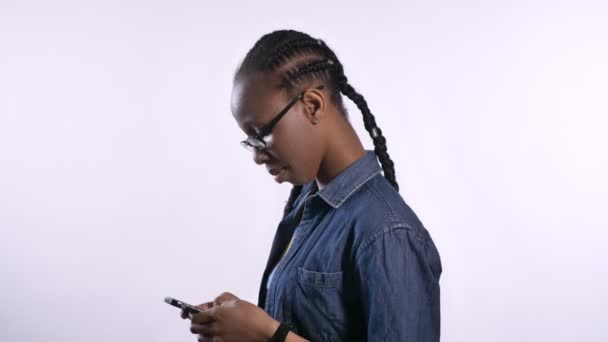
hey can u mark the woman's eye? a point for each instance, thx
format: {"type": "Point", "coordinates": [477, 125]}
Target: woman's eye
{"type": "Point", "coordinates": [249, 131]}
{"type": "Point", "coordinates": [255, 130]}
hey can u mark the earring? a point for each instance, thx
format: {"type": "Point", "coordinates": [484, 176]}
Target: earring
{"type": "Point", "coordinates": [315, 120]}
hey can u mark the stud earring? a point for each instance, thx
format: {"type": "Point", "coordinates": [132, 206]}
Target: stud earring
{"type": "Point", "coordinates": [315, 121]}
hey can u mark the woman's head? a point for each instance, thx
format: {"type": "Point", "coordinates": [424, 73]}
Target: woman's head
{"type": "Point", "coordinates": [280, 66]}
{"type": "Point", "coordinates": [294, 142]}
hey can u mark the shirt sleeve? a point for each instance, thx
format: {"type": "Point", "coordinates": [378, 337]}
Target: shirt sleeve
{"type": "Point", "coordinates": [397, 273]}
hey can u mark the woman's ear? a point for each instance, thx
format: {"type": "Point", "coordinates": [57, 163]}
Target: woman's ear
{"type": "Point", "coordinates": [314, 105]}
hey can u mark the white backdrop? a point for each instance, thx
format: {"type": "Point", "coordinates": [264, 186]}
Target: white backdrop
{"type": "Point", "coordinates": [122, 180]}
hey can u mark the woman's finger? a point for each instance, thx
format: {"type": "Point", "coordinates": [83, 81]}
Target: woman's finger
{"type": "Point", "coordinates": [226, 296]}
{"type": "Point", "coordinates": [184, 314]}
{"type": "Point", "coordinates": [209, 329]}
{"type": "Point", "coordinates": [205, 306]}
{"type": "Point", "coordinates": [204, 317]}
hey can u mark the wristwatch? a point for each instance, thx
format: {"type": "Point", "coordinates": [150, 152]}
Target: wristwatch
{"type": "Point", "coordinates": [281, 333]}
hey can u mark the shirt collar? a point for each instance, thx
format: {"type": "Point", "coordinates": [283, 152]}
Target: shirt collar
{"type": "Point", "coordinates": [348, 181]}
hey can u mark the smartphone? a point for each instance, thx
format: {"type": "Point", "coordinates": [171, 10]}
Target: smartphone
{"type": "Point", "coordinates": [182, 305]}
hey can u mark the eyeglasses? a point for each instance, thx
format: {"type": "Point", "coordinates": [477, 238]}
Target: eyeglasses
{"type": "Point", "coordinates": [257, 140]}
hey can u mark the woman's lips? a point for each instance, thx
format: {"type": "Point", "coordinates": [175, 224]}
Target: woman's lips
{"type": "Point", "coordinates": [278, 173]}
{"type": "Point", "coordinates": [275, 171]}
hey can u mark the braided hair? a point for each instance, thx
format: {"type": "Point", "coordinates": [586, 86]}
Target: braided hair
{"type": "Point", "coordinates": [299, 58]}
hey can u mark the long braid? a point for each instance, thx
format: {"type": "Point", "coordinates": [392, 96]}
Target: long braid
{"type": "Point", "coordinates": [311, 59]}
{"type": "Point", "coordinates": [369, 121]}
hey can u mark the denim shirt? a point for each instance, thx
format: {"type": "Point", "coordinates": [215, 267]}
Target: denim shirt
{"type": "Point", "coordinates": [362, 267]}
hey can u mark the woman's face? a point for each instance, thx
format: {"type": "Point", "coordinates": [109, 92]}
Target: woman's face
{"type": "Point", "coordinates": [294, 146]}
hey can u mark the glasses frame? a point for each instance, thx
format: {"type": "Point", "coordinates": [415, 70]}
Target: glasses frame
{"type": "Point", "coordinates": [257, 140]}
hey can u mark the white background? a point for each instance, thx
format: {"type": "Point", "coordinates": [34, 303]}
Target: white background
{"type": "Point", "coordinates": [122, 180]}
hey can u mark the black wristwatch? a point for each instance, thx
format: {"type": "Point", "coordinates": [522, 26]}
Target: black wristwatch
{"type": "Point", "coordinates": [281, 333]}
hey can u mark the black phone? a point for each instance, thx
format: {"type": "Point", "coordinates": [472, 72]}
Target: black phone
{"type": "Point", "coordinates": [182, 305]}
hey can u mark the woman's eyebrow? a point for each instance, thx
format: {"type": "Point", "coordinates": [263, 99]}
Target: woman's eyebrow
{"type": "Point", "coordinates": [255, 123]}
{"type": "Point", "coordinates": [247, 124]}
{"type": "Point", "coordinates": [250, 127]}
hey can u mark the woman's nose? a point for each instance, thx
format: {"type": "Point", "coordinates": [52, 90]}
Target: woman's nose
{"type": "Point", "coordinates": [259, 156]}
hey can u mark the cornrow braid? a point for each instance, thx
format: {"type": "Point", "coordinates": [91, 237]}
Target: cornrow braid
{"type": "Point", "coordinates": [315, 61]}
{"type": "Point", "coordinates": [314, 69]}
{"type": "Point", "coordinates": [292, 48]}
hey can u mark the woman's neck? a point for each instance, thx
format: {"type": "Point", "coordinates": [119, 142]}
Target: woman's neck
{"type": "Point", "coordinates": [343, 150]}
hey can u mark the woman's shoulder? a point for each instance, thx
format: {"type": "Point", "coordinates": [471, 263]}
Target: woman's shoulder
{"type": "Point", "coordinates": [378, 207]}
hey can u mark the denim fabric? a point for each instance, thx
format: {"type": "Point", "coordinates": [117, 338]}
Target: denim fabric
{"type": "Point", "coordinates": [295, 232]}
{"type": "Point", "coordinates": [361, 268]}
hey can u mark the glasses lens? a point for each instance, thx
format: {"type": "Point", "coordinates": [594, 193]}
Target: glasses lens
{"type": "Point", "coordinates": [251, 142]}
{"type": "Point", "coordinates": [246, 145]}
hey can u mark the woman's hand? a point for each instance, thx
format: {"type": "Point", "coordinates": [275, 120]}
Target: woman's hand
{"type": "Point", "coordinates": [217, 301]}
{"type": "Point", "coordinates": [229, 319]}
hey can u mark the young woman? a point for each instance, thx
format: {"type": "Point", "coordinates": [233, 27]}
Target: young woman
{"type": "Point", "coordinates": [350, 260]}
